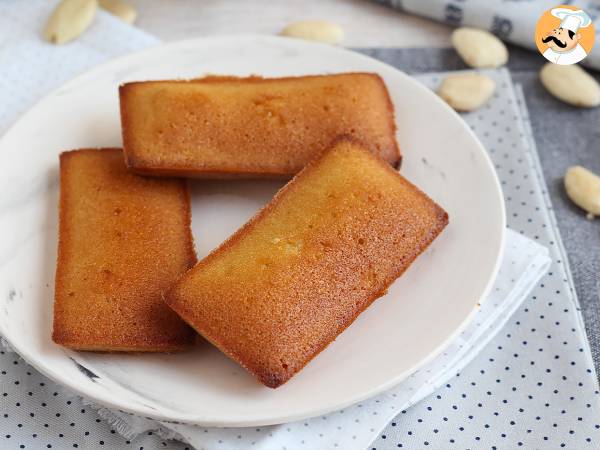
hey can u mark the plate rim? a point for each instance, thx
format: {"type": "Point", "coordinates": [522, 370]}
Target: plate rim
{"type": "Point", "coordinates": [195, 418]}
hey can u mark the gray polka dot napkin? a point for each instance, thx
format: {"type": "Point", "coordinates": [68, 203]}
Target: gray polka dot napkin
{"type": "Point", "coordinates": [534, 384]}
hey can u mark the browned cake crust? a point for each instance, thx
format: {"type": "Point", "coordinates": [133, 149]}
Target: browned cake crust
{"type": "Point", "coordinates": [224, 127]}
{"type": "Point", "coordinates": [123, 240]}
{"type": "Point", "coordinates": [296, 275]}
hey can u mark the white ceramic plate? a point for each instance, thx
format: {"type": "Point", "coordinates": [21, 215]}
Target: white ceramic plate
{"type": "Point", "coordinates": [423, 310]}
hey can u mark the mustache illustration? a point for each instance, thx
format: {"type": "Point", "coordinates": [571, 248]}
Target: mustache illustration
{"type": "Point", "coordinates": [556, 41]}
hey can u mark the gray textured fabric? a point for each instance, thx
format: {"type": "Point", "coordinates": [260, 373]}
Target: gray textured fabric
{"type": "Point", "coordinates": [565, 136]}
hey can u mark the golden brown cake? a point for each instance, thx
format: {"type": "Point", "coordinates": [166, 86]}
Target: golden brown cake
{"type": "Point", "coordinates": [222, 127]}
{"type": "Point", "coordinates": [296, 275]}
{"type": "Point", "coordinates": [123, 240]}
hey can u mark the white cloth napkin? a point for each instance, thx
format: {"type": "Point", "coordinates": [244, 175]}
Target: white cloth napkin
{"type": "Point", "coordinates": [32, 67]}
{"type": "Point", "coordinates": [513, 22]}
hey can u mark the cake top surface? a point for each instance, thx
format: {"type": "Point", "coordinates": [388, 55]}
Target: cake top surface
{"type": "Point", "coordinates": [252, 125]}
{"type": "Point", "coordinates": [123, 240]}
{"type": "Point", "coordinates": [283, 286]}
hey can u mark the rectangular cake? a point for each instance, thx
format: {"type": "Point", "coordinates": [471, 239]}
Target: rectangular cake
{"type": "Point", "coordinates": [222, 127]}
{"type": "Point", "coordinates": [280, 289]}
{"type": "Point", "coordinates": [123, 240]}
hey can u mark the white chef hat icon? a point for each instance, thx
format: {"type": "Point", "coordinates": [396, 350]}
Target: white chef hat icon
{"type": "Point", "coordinates": [572, 19]}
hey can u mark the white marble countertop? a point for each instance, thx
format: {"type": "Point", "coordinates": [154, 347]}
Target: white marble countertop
{"type": "Point", "coordinates": [366, 24]}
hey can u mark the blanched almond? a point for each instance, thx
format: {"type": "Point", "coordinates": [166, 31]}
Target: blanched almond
{"type": "Point", "coordinates": [466, 91]}
{"type": "Point", "coordinates": [479, 48]}
{"type": "Point", "coordinates": [583, 187]}
{"type": "Point", "coordinates": [315, 30]}
{"type": "Point", "coordinates": [69, 20]}
{"type": "Point", "coordinates": [571, 84]}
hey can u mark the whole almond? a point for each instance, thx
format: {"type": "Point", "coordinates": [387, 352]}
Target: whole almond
{"type": "Point", "coordinates": [119, 8]}
{"type": "Point", "coordinates": [466, 91]}
{"type": "Point", "coordinates": [583, 187]}
{"type": "Point", "coordinates": [479, 48]}
{"type": "Point", "coordinates": [571, 84]}
{"type": "Point", "coordinates": [315, 30]}
{"type": "Point", "coordinates": [69, 20]}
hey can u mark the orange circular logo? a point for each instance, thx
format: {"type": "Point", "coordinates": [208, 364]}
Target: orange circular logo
{"type": "Point", "coordinates": [565, 35]}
